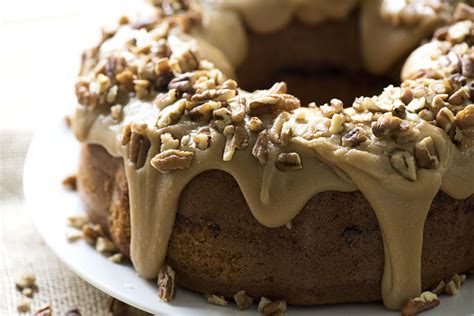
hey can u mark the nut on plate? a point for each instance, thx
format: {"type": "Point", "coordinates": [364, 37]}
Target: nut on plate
{"type": "Point", "coordinates": [242, 300]}
{"type": "Point", "coordinates": [425, 301]}
{"type": "Point", "coordinates": [166, 283]}
{"type": "Point", "coordinates": [217, 300]}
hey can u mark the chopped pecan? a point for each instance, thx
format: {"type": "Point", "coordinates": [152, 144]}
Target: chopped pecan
{"type": "Point", "coordinates": [426, 115]}
{"type": "Point", "coordinates": [125, 78]}
{"type": "Point", "coordinates": [265, 104]}
{"type": "Point", "coordinates": [337, 123]}
{"type": "Point", "coordinates": [437, 103]}
{"type": "Point", "coordinates": [465, 118]}
{"type": "Point", "coordinates": [274, 308]}
{"type": "Point", "coordinates": [458, 97]}
{"type": "Point", "coordinates": [288, 162]}
{"type": "Point", "coordinates": [204, 110]}
{"type": "Point", "coordinates": [439, 289]}
{"type": "Point", "coordinates": [404, 163]}
{"type": "Point", "coordinates": [236, 138]}
{"type": "Point", "coordinates": [77, 221]}
{"type": "Point", "coordinates": [454, 285]}
{"type": "Point", "coordinates": [275, 132]}
{"type": "Point", "coordinates": [445, 119]}
{"type": "Point", "coordinates": [242, 300]}
{"type": "Point", "coordinates": [139, 145]}
{"type": "Point", "coordinates": [255, 124]}
{"type": "Point", "coordinates": [91, 232]}
{"type": "Point", "coordinates": [166, 283]}
{"type": "Point", "coordinates": [182, 83]}
{"type": "Point", "coordinates": [164, 99]}
{"type": "Point", "coordinates": [222, 118]}
{"type": "Point", "coordinates": [406, 96]}
{"type": "Point", "coordinates": [172, 159]}
{"type": "Point", "coordinates": [184, 61]}
{"type": "Point", "coordinates": [354, 138]}
{"type": "Point", "coordinates": [103, 245]}
{"type": "Point", "coordinates": [23, 305]}
{"type": "Point", "coordinates": [238, 108]}
{"type": "Point", "coordinates": [116, 112]}
{"type": "Point", "coordinates": [426, 154]}
{"type": "Point", "coordinates": [260, 149]}
{"type": "Point", "coordinates": [278, 88]}
{"type": "Point", "coordinates": [214, 95]}
{"type": "Point", "coordinates": [425, 301]}
{"type": "Point", "coordinates": [217, 300]}
{"type": "Point", "coordinates": [336, 106]}
{"type": "Point", "coordinates": [458, 32]}
{"type": "Point", "coordinates": [416, 105]}
{"type": "Point", "coordinates": [171, 114]}
{"type": "Point", "coordinates": [44, 310]}
{"type": "Point", "coordinates": [386, 126]}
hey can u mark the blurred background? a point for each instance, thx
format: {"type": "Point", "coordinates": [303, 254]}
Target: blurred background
{"type": "Point", "coordinates": [40, 49]}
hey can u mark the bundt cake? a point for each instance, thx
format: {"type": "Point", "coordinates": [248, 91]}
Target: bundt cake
{"type": "Point", "coordinates": [332, 201]}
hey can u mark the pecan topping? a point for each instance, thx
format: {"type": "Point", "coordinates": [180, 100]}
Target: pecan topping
{"type": "Point", "coordinates": [182, 83]}
{"type": "Point", "coordinates": [276, 131]}
{"type": "Point", "coordinates": [255, 124]}
{"type": "Point", "coordinates": [337, 123]}
{"type": "Point", "coordinates": [274, 308]}
{"type": "Point", "coordinates": [426, 154]}
{"type": "Point", "coordinates": [386, 126]}
{"type": "Point", "coordinates": [288, 162]}
{"type": "Point", "coordinates": [404, 163]}
{"type": "Point", "coordinates": [336, 106]}
{"type": "Point", "coordinates": [425, 301]}
{"type": "Point", "coordinates": [139, 145]}
{"type": "Point", "coordinates": [260, 149]}
{"type": "Point", "coordinates": [172, 159]}
{"type": "Point", "coordinates": [171, 114]}
{"type": "Point", "coordinates": [236, 138]}
{"type": "Point", "coordinates": [214, 95]}
{"type": "Point", "coordinates": [273, 103]}
{"type": "Point", "coordinates": [465, 118]}
{"type": "Point", "coordinates": [166, 283]}
{"type": "Point", "coordinates": [445, 119]}
{"type": "Point", "coordinates": [354, 138]}
{"type": "Point", "coordinates": [459, 96]}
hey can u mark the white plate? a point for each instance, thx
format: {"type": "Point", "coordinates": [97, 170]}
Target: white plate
{"type": "Point", "coordinates": [53, 154]}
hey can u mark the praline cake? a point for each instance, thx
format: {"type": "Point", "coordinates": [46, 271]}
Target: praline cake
{"type": "Point", "coordinates": [312, 203]}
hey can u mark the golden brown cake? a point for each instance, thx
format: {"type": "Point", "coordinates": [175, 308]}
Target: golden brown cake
{"type": "Point", "coordinates": [329, 202]}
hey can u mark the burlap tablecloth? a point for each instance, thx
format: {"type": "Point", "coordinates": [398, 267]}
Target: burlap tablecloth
{"type": "Point", "coordinates": [22, 249]}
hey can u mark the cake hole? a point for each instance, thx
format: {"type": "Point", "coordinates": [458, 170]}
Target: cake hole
{"type": "Point", "coordinates": [317, 62]}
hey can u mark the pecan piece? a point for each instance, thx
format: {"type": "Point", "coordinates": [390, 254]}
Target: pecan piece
{"type": "Point", "coordinates": [425, 301]}
{"type": "Point", "coordinates": [465, 118]}
{"type": "Point", "coordinates": [354, 138]}
{"type": "Point", "coordinates": [217, 300]}
{"type": "Point", "coordinates": [274, 308]}
{"type": "Point", "coordinates": [426, 154]}
{"type": "Point", "coordinates": [242, 300]}
{"type": "Point", "coordinates": [166, 283]}
{"type": "Point", "coordinates": [260, 149]}
{"type": "Point", "coordinates": [468, 65]}
{"type": "Point", "coordinates": [445, 119]}
{"type": "Point", "coordinates": [404, 163]}
{"type": "Point", "coordinates": [182, 83]}
{"type": "Point", "coordinates": [45, 310]}
{"type": "Point", "coordinates": [386, 126]}
{"type": "Point", "coordinates": [172, 159]}
{"type": "Point", "coordinates": [255, 124]}
{"type": "Point", "coordinates": [288, 162]}
{"type": "Point", "coordinates": [272, 103]}
{"type": "Point", "coordinates": [236, 138]}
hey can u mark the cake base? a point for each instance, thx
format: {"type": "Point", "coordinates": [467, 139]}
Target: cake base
{"type": "Point", "coordinates": [333, 252]}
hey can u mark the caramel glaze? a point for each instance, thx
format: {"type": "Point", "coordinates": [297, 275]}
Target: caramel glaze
{"type": "Point", "coordinates": [275, 197]}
